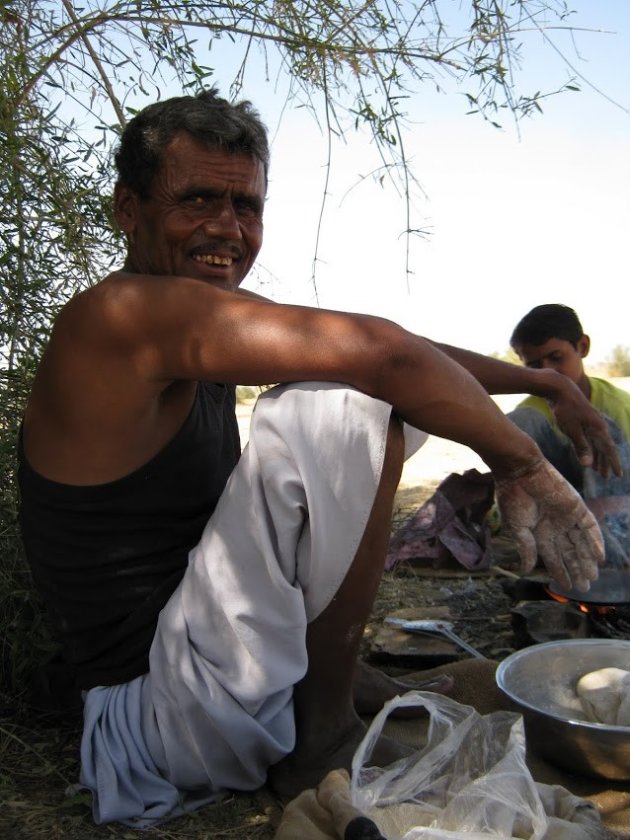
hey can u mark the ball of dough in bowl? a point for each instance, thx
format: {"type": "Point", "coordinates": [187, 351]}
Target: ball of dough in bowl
{"type": "Point", "coordinates": [605, 696]}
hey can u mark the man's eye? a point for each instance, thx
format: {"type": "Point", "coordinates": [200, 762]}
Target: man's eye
{"type": "Point", "coordinates": [196, 201]}
{"type": "Point", "coordinates": [247, 208]}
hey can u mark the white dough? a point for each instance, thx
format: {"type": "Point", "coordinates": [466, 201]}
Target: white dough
{"type": "Point", "coordinates": [605, 696]}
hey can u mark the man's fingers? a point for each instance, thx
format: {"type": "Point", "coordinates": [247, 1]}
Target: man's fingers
{"type": "Point", "coordinates": [572, 554]}
{"type": "Point", "coordinates": [556, 568]}
{"type": "Point", "coordinates": [576, 551]}
{"type": "Point", "coordinates": [583, 449]}
{"type": "Point", "coordinates": [563, 562]}
{"type": "Point", "coordinates": [607, 458]}
{"type": "Point", "coordinates": [526, 547]}
{"type": "Point", "coordinates": [586, 546]}
{"type": "Point", "coordinates": [601, 465]}
{"type": "Point", "coordinates": [553, 548]}
{"type": "Point", "coordinates": [593, 445]}
{"type": "Point", "coordinates": [617, 465]}
{"type": "Point", "coordinates": [598, 450]}
{"type": "Point", "coordinates": [591, 537]}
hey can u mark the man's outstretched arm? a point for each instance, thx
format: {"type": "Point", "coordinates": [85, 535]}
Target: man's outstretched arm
{"type": "Point", "coordinates": [150, 337]}
{"type": "Point", "coordinates": [575, 415]}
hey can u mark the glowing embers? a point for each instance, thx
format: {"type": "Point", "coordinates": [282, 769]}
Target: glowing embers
{"type": "Point", "coordinates": [588, 609]}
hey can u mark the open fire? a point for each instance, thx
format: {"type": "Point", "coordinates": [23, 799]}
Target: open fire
{"type": "Point", "coordinates": [552, 616]}
{"type": "Point", "coordinates": [589, 609]}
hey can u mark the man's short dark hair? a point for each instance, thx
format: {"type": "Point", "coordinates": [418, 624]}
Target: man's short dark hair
{"type": "Point", "coordinates": [232, 127]}
{"type": "Point", "coordinates": [550, 320]}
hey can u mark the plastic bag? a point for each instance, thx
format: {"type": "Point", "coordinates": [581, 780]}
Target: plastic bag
{"type": "Point", "coordinates": [469, 781]}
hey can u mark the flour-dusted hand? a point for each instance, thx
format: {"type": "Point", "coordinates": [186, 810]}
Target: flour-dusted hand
{"type": "Point", "coordinates": [549, 520]}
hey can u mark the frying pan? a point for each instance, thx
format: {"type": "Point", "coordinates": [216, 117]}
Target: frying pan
{"type": "Point", "coordinates": [611, 588]}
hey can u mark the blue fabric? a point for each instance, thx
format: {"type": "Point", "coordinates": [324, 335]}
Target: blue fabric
{"type": "Point", "coordinates": [116, 765]}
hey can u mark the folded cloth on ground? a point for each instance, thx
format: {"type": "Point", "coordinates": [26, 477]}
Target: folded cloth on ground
{"type": "Point", "coordinates": [325, 813]}
{"type": "Point", "coordinates": [451, 525]}
{"type": "Point", "coordinates": [311, 817]}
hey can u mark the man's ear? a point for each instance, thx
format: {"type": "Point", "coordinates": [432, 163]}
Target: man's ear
{"type": "Point", "coordinates": [583, 346]}
{"type": "Point", "coordinates": [125, 205]}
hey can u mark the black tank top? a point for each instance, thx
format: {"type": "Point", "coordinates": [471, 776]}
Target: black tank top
{"type": "Point", "coordinates": [106, 558]}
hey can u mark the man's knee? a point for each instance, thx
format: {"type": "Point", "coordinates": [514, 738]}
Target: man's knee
{"type": "Point", "coordinates": [329, 413]}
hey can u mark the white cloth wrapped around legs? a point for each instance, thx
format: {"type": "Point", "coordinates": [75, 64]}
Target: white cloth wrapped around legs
{"type": "Point", "coordinates": [215, 710]}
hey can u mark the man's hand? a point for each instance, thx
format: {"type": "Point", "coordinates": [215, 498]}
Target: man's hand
{"type": "Point", "coordinates": [575, 415]}
{"type": "Point", "coordinates": [587, 430]}
{"type": "Point", "coordinates": [548, 519]}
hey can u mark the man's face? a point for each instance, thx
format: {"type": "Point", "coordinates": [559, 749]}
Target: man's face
{"type": "Point", "coordinates": [203, 217]}
{"type": "Point", "coordinates": [557, 354]}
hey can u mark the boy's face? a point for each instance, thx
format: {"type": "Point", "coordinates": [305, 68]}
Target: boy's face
{"type": "Point", "coordinates": [558, 354]}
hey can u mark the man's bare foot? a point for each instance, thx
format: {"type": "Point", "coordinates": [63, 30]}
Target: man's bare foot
{"type": "Point", "coordinates": [298, 771]}
{"type": "Point", "coordinates": [373, 688]}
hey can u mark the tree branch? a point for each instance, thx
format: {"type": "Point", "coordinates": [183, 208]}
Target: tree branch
{"type": "Point", "coordinates": [97, 63]}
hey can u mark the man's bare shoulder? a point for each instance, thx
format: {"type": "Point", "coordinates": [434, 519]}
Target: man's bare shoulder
{"type": "Point", "coordinates": [109, 301]}
{"type": "Point", "coordinates": [94, 310]}
{"type": "Point", "coordinates": [95, 413]}
{"type": "Point", "coordinates": [126, 311]}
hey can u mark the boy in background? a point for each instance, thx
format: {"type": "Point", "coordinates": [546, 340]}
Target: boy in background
{"type": "Point", "coordinates": [551, 336]}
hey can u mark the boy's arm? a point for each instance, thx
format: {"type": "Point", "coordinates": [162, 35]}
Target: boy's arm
{"type": "Point", "coordinates": [574, 414]}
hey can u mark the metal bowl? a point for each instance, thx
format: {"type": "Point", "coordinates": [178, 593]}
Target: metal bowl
{"type": "Point", "coordinates": [541, 681]}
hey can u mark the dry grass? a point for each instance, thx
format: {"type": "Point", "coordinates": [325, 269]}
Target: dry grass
{"type": "Point", "coordinates": [39, 761]}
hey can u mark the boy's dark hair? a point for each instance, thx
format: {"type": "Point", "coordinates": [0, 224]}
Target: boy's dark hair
{"type": "Point", "coordinates": [550, 320]}
{"type": "Point", "coordinates": [233, 127]}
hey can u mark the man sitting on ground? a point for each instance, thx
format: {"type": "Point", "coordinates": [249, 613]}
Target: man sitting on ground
{"type": "Point", "coordinates": [212, 604]}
